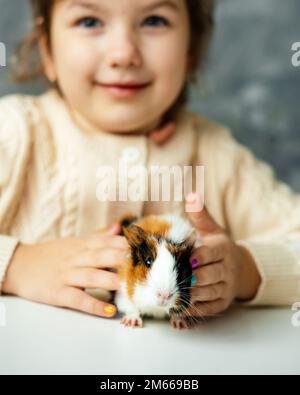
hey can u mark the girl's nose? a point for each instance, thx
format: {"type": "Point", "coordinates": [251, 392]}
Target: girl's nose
{"type": "Point", "coordinates": [124, 52]}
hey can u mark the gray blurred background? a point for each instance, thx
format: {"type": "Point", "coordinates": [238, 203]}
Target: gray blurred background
{"type": "Point", "coordinates": [249, 84]}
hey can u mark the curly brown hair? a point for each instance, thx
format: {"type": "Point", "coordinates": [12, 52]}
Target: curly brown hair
{"type": "Point", "coordinates": [27, 64]}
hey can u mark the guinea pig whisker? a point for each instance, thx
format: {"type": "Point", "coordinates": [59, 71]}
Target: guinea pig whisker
{"type": "Point", "coordinates": [206, 314]}
{"type": "Point", "coordinates": [193, 308]}
{"type": "Point", "coordinates": [188, 316]}
{"type": "Point", "coordinates": [195, 318]}
{"type": "Point", "coordinates": [203, 303]}
{"type": "Point", "coordinates": [185, 290]}
{"type": "Point", "coordinates": [197, 309]}
{"type": "Point", "coordinates": [184, 280]}
{"type": "Point", "coordinates": [186, 287]}
{"type": "Point", "coordinates": [212, 314]}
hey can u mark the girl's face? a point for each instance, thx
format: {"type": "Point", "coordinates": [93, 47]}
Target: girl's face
{"type": "Point", "coordinates": [98, 42]}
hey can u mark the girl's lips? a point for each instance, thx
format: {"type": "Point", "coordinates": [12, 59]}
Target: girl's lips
{"type": "Point", "coordinates": [119, 91]}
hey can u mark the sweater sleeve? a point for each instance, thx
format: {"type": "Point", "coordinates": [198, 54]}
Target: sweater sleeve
{"type": "Point", "coordinates": [263, 215]}
{"type": "Point", "coordinates": [15, 143]}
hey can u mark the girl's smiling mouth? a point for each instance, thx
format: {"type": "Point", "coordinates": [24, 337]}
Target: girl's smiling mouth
{"type": "Point", "coordinates": [125, 90]}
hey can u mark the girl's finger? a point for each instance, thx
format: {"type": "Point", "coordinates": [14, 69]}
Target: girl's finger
{"type": "Point", "coordinates": [209, 293]}
{"type": "Point", "coordinates": [206, 309]}
{"type": "Point", "coordinates": [95, 241]}
{"type": "Point", "coordinates": [93, 278]}
{"type": "Point", "coordinates": [210, 274]}
{"type": "Point", "coordinates": [114, 229]}
{"type": "Point", "coordinates": [208, 254]}
{"type": "Point", "coordinates": [104, 258]}
{"type": "Point", "coordinates": [77, 299]}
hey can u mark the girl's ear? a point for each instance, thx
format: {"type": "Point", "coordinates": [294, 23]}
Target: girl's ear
{"type": "Point", "coordinates": [46, 59]}
{"type": "Point", "coordinates": [134, 234]}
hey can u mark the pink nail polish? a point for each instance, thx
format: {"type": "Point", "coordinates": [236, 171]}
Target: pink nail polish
{"type": "Point", "coordinates": [195, 263]}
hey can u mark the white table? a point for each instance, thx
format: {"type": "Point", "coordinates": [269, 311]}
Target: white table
{"type": "Point", "coordinates": [42, 339]}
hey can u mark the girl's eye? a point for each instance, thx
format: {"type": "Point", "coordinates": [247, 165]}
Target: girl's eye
{"type": "Point", "coordinates": [88, 22]}
{"type": "Point", "coordinates": [153, 21]}
{"type": "Point", "coordinates": [92, 22]}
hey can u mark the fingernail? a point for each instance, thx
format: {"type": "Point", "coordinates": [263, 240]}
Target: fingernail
{"type": "Point", "coordinates": [110, 309]}
{"type": "Point", "coordinates": [195, 263]}
{"type": "Point", "coordinates": [193, 280]}
{"type": "Point", "coordinates": [194, 203]}
{"type": "Point", "coordinates": [191, 198]}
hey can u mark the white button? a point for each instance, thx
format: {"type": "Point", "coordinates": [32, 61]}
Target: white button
{"type": "Point", "coordinates": [131, 154]}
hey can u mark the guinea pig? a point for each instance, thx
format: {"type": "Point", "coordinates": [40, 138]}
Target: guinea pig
{"type": "Point", "coordinates": [156, 279]}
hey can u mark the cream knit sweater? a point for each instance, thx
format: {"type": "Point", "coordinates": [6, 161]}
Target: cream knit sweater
{"type": "Point", "coordinates": [48, 182]}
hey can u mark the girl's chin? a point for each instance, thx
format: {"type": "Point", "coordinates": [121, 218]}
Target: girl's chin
{"type": "Point", "coordinates": [132, 129]}
{"type": "Point", "coordinates": [116, 123]}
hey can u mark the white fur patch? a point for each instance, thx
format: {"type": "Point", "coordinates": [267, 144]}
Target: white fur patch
{"type": "Point", "coordinates": [180, 229]}
{"type": "Point", "coordinates": [161, 278]}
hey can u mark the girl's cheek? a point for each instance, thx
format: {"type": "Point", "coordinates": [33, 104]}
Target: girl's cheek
{"type": "Point", "coordinates": [173, 59]}
{"type": "Point", "coordinates": [78, 58]}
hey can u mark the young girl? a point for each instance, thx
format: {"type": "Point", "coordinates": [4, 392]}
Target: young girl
{"type": "Point", "coordinates": [120, 72]}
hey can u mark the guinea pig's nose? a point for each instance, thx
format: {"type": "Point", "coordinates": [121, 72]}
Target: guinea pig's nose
{"type": "Point", "coordinates": [164, 296]}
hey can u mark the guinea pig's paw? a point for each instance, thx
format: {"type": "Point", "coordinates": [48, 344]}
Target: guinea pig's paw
{"type": "Point", "coordinates": [132, 321]}
{"type": "Point", "coordinates": [180, 323]}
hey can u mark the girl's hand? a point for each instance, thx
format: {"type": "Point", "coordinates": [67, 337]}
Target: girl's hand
{"type": "Point", "coordinates": [57, 272]}
{"type": "Point", "coordinates": [223, 270]}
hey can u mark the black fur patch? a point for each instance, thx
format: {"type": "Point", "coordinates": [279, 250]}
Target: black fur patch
{"type": "Point", "coordinates": [140, 253]}
{"type": "Point", "coordinates": [127, 221]}
{"type": "Point", "coordinates": [184, 274]}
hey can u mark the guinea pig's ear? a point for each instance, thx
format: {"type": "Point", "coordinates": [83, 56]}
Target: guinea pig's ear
{"type": "Point", "coordinates": [134, 234]}
{"type": "Point", "coordinates": [191, 237]}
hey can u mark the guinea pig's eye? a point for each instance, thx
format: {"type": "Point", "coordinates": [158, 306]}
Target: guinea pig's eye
{"type": "Point", "coordinates": [149, 261]}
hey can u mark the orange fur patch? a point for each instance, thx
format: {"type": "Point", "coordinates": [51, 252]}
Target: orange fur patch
{"type": "Point", "coordinates": [135, 275]}
{"type": "Point", "coordinates": [154, 225]}
{"type": "Point", "coordinates": [138, 274]}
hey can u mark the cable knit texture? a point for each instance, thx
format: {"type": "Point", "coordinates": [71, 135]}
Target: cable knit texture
{"type": "Point", "coordinates": [49, 184]}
